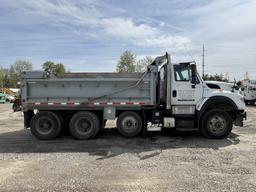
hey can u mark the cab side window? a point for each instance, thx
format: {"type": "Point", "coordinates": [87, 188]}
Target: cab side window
{"type": "Point", "coordinates": [181, 72]}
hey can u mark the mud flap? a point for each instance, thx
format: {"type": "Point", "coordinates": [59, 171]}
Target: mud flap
{"type": "Point", "coordinates": [27, 118]}
{"type": "Point", "coordinates": [16, 105]}
{"type": "Point", "coordinates": [239, 119]}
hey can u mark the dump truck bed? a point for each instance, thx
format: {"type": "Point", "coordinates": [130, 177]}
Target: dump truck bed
{"type": "Point", "coordinates": [87, 89]}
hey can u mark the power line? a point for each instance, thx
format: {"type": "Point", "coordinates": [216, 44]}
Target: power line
{"type": "Point", "coordinates": [224, 46]}
{"type": "Point", "coordinates": [186, 49]}
{"type": "Point", "coordinates": [203, 62]}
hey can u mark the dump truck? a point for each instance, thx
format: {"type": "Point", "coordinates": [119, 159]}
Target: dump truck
{"type": "Point", "coordinates": [165, 96]}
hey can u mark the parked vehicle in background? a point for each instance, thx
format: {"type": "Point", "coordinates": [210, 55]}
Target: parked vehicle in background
{"type": "Point", "coordinates": [167, 95]}
{"type": "Point", "coordinates": [9, 98]}
{"type": "Point", "coordinates": [248, 90]}
{"type": "Point", "coordinates": [2, 98]}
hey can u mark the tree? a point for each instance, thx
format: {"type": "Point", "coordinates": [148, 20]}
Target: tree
{"type": "Point", "coordinates": [126, 62]}
{"type": "Point", "coordinates": [2, 73]}
{"type": "Point", "coordinates": [142, 64]}
{"type": "Point", "coordinates": [2, 77]}
{"type": "Point", "coordinates": [21, 65]}
{"type": "Point", "coordinates": [9, 77]}
{"type": "Point", "coordinates": [59, 69]}
{"type": "Point", "coordinates": [52, 68]}
{"type": "Point", "coordinates": [15, 71]}
{"type": "Point", "coordinates": [48, 66]}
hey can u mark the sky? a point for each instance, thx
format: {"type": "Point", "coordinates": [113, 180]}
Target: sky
{"type": "Point", "coordinates": [90, 35]}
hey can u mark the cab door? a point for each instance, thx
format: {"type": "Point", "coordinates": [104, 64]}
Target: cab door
{"type": "Point", "coordinates": [184, 94]}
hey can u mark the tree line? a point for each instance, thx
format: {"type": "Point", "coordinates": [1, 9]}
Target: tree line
{"type": "Point", "coordinates": [10, 77]}
{"type": "Point", "coordinates": [216, 77]}
{"type": "Point", "coordinates": [127, 63]}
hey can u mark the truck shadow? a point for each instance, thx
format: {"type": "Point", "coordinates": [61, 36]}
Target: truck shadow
{"type": "Point", "coordinates": [109, 143]}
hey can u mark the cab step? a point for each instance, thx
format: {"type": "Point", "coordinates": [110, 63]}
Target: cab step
{"type": "Point", "coordinates": [154, 128]}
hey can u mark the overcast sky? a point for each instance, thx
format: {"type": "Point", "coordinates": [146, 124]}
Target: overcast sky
{"type": "Point", "coordinates": [90, 35]}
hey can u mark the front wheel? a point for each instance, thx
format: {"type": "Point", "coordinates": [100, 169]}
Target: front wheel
{"type": "Point", "coordinates": [216, 124]}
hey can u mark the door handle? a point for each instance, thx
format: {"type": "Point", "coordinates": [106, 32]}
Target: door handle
{"type": "Point", "coordinates": [174, 93]}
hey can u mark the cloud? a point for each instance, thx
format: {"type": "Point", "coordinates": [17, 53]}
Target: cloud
{"type": "Point", "coordinates": [85, 14]}
{"type": "Point", "coordinates": [227, 28]}
{"type": "Point", "coordinates": [223, 20]}
{"type": "Point", "coordinates": [83, 28]}
{"type": "Point", "coordinates": [141, 34]}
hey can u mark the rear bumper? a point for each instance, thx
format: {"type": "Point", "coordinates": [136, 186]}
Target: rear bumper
{"type": "Point", "coordinates": [240, 117]}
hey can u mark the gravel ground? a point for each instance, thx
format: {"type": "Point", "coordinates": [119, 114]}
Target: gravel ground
{"type": "Point", "coordinates": [169, 161]}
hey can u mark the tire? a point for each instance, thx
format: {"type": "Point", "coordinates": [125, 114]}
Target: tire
{"type": "Point", "coordinates": [84, 125]}
{"type": "Point", "coordinates": [103, 123]}
{"type": "Point", "coordinates": [45, 125]}
{"type": "Point", "coordinates": [129, 124]}
{"type": "Point", "coordinates": [216, 124]}
{"type": "Point", "coordinates": [62, 122]}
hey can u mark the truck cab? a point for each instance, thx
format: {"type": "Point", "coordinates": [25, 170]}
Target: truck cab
{"type": "Point", "coordinates": [192, 104]}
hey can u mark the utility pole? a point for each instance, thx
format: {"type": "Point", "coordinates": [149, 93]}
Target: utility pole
{"type": "Point", "coordinates": [203, 63]}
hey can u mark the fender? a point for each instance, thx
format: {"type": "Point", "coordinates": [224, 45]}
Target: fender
{"type": "Point", "coordinates": [214, 100]}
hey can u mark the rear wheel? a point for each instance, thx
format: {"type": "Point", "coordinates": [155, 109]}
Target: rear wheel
{"type": "Point", "coordinates": [45, 125]}
{"type": "Point", "coordinates": [84, 125]}
{"type": "Point", "coordinates": [63, 121]}
{"type": "Point", "coordinates": [129, 124]}
{"type": "Point", "coordinates": [216, 124]}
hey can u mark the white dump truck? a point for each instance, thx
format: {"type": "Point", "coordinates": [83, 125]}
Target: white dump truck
{"type": "Point", "coordinates": [167, 95]}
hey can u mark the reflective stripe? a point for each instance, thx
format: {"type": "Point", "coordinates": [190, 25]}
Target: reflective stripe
{"type": "Point", "coordinates": [96, 103]}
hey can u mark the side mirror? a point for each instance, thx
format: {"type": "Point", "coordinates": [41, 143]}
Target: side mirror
{"type": "Point", "coordinates": [193, 74]}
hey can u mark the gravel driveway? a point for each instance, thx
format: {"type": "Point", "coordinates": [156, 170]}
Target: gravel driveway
{"type": "Point", "coordinates": [169, 161]}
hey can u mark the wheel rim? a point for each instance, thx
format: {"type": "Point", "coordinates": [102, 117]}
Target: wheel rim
{"type": "Point", "coordinates": [217, 124]}
{"type": "Point", "coordinates": [83, 126]}
{"type": "Point", "coordinates": [129, 124]}
{"type": "Point", "coordinates": [44, 125]}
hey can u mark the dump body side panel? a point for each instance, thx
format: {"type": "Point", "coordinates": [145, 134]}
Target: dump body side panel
{"type": "Point", "coordinates": [87, 90]}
